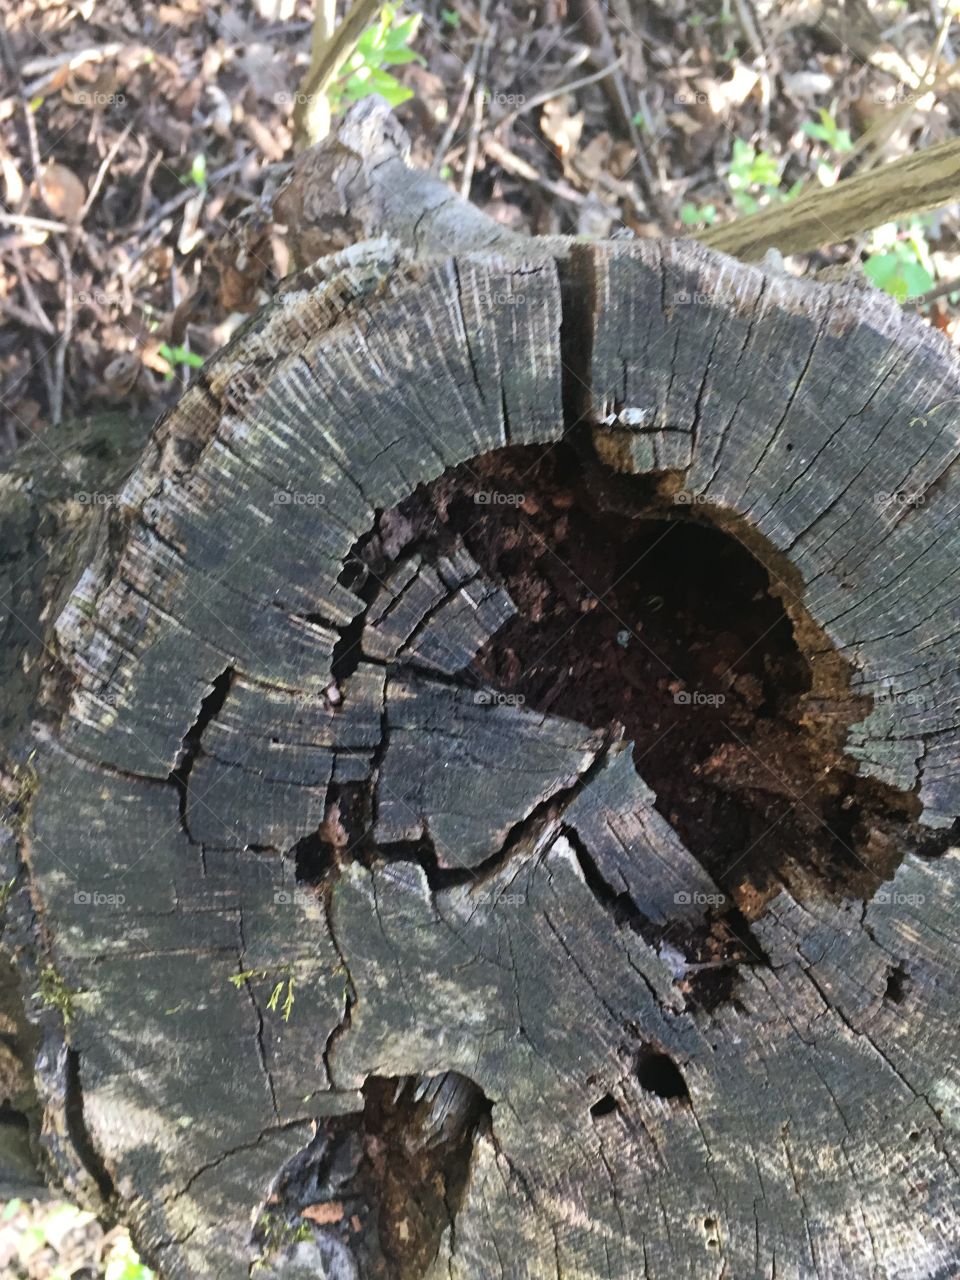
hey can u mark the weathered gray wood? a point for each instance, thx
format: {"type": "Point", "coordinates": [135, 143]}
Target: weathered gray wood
{"type": "Point", "coordinates": [334, 925]}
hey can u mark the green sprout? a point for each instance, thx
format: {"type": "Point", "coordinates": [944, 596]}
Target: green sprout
{"type": "Point", "coordinates": [274, 1002]}
{"type": "Point", "coordinates": [382, 45]}
{"type": "Point", "coordinates": [754, 178]}
{"type": "Point", "coordinates": [899, 260]}
{"type": "Point", "coordinates": [828, 131]}
{"type": "Point", "coordinates": [198, 171]}
{"type": "Point", "coordinates": [179, 355]}
{"type": "Point", "coordinates": [54, 993]}
{"type": "Point", "coordinates": [693, 216]}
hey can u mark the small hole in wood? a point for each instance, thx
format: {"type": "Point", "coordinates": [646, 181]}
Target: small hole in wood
{"type": "Point", "coordinates": [659, 1074]}
{"type": "Point", "coordinates": [605, 1106]}
{"type": "Point", "coordinates": [898, 983]}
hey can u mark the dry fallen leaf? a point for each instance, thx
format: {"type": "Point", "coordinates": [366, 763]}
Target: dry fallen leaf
{"type": "Point", "coordinates": [323, 1214]}
{"type": "Point", "coordinates": [560, 127]}
{"type": "Point", "coordinates": [12, 182]}
{"type": "Point", "coordinates": [63, 192]}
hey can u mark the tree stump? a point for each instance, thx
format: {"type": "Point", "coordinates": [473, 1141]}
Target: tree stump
{"type": "Point", "coordinates": [486, 801]}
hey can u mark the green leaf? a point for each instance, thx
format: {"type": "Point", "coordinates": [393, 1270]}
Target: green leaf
{"type": "Point", "coordinates": [817, 131]}
{"type": "Point", "coordinates": [916, 278]}
{"type": "Point", "coordinates": [450, 17]}
{"type": "Point", "coordinates": [691, 216]}
{"type": "Point", "coordinates": [180, 355]}
{"type": "Point", "coordinates": [198, 171]}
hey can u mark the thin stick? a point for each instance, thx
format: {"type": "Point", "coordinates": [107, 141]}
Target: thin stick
{"type": "Point", "coordinates": [102, 171]}
{"type": "Point", "coordinates": [60, 360]}
{"type": "Point", "coordinates": [469, 80]}
{"type": "Point", "coordinates": [30, 223]}
{"type": "Point", "coordinates": [548, 95]}
{"type": "Point", "coordinates": [513, 164]}
{"type": "Point", "coordinates": [873, 143]}
{"type": "Point", "coordinates": [326, 59]}
{"type": "Point", "coordinates": [476, 127]}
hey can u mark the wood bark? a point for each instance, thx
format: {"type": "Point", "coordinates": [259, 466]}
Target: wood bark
{"type": "Point", "coordinates": [350, 965]}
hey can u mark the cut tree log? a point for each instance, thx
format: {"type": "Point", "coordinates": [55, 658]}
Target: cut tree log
{"type": "Point", "coordinates": [485, 803]}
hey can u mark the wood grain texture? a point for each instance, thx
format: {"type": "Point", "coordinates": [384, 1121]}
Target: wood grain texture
{"type": "Point", "coordinates": [264, 993]}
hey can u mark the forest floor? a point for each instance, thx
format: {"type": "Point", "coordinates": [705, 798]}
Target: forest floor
{"type": "Point", "coordinates": [140, 143]}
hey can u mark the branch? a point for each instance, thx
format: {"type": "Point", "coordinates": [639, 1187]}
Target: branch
{"type": "Point", "coordinates": [330, 50]}
{"type": "Point", "coordinates": [914, 184]}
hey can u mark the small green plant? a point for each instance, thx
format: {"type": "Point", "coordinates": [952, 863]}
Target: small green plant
{"type": "Point", "coordinates": [54, 993]}
{"type": "Point", "coordinates": [238, 979]}
{"type": "Point", "coordinates": [692, 215]}
{"type": "Point", "coordinates": [179, 355]}
{"type": "Point", "coordinates": [898, 260]}
{"type": "Point", "coordinates": [198, 172]}
{"type": "Point", "coordinates": [754, 179]}
{"type": "Point", "coordinates": [6, 891]}
{"type": "Point", "coordinates": [274, 1002]}
{"type": "Point", "coordinates": [828, 131]}
{"type": "Point", "coordinates": [385, 44]}
{"type": "Point", "coordinates": [450, 17]}
{"type": "Point", "coordinates": [836, 140]}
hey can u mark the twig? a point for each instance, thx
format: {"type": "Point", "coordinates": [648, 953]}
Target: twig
{"type": "Point", "coordinates": [548, 95]}
{"type": "Point", "coordinates": [911, 185]}
{"type": "Point", "coordinates": [45, 68]}
{"type": "Point", "coordinates": [326, 58]}
{"type": "Point", "coordinates": [513, 164]}
{"type": "Point", "coordinates": [592, 19]}
{"type": "Point", "coordinates": [476, 126]}
{"type": "Point", "coordinates": [23, 279]}
{"type": "Point", "coordinates": [63, 342]}
{"type": "Point", "coordinates": [469, 80]}
{"type": "Point", "coordinates": [872, 143]}
{"type": "Point", "coordinates": [30, 223]}
{"type": "Point", "coordinates": [754, 38]}
{"type": "Point", "coordinates": [28, 318]}
{"type": "Point", "coordinates": [102, 171]}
